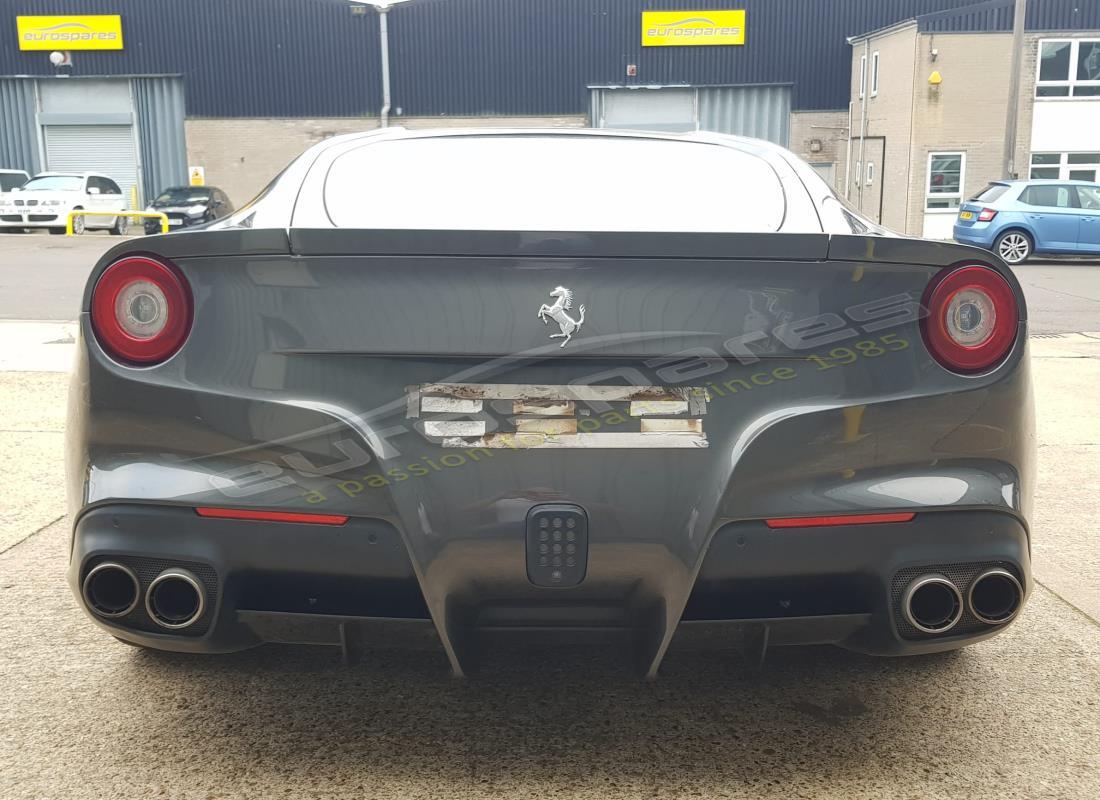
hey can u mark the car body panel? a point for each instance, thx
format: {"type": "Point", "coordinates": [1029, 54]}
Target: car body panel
{"type": "Point", "coordinates": [397, 377]}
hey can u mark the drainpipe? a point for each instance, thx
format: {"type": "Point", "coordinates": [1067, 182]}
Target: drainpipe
{"type": "Point", "coordinates": [384, 43]}
{"type": "Point", "coordinates": [1008, 159]}
{"type": "Point", "coordinates": [866, 84]}
{"type": "Point", "coordinates": [848, 158]}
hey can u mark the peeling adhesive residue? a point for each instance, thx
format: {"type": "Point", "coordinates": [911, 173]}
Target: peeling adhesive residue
{"type": "Point", "coordinates": [534, 416]}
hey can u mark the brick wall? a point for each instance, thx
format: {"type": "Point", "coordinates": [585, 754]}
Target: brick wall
{"type": "Point", "coordinates": [830, 128]}
{"type": "Point", "coordinates": [889, 124]}
{"type": "Point", "coordinates": [242, 155]}
{"type": "Point", "coordinates": [966, 113]}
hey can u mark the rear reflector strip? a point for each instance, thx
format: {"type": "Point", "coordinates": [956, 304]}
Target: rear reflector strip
{"type": "Point", "coordinates": [272, 516]}
{"type": "Point", "coordinates": [848, 519]}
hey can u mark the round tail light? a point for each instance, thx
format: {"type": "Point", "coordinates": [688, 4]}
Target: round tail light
{"type": "Point", "coordinates": [141, 310]}
{"type": "Point", "coordinates": [972, 318]}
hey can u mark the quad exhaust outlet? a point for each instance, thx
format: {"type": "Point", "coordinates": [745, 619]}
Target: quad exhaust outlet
{"type": "Point", "coordinates": [995, 596]}
{"type": "Point", "coordinates": [175, 599]}
{"type": "Point", "coordinates": [932, 604]}
{"type": "Point", "coordinates": [110, 590]}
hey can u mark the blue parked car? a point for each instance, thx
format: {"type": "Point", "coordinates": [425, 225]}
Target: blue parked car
{"type": "Point", "coordinates": [1016, 219]}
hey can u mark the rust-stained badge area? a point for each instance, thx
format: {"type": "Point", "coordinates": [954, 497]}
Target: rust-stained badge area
{"type": "Point", "coordinates": [528, 416]}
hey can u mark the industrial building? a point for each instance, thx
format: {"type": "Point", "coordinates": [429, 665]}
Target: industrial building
{"type": "Point", "coordinates": [930, 102]}
{"type": "Point", "coordinates": [143, 91]}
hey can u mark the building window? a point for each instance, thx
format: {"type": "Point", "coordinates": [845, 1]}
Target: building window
{"type": "Point", "coordinates": [870, 177]}
{"type": "Point", "coordinates": [862, 76]}
{"type": "Point", "coordinates": [1069, 68]}
{"type": "Point", "coordinates": [945, 181]}
{"type": "Point", "coordinates": [874, 73]}
{"type": "Point", "coordinates": [1065, 166]}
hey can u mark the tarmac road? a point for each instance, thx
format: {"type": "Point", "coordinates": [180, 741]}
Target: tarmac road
{"type": "Point", "coordinates": [82, 716]}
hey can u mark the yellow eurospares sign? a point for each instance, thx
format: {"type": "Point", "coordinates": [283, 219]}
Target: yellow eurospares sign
{"type": "Point", "coordinates": [692, 28]}
{"type": "Point", "coordinates": [97, 32]}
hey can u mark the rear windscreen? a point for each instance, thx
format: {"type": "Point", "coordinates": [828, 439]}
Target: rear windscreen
{"type": "Point", "coordinates": [991, 192]}
{"type": "Point", "coordinates": [553, 183]}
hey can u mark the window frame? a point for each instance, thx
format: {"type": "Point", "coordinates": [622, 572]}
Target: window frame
{"type": "Point", "coordinates": [874, 73]}
{"type": "Point", "coordinates": [862, 76]}
{"type": "Point", "coordinates": [1063, 166]}
{"type": "Point", "coordinates": [928, 194]}
{"type": "Point", "coordinates": [1072, 81]}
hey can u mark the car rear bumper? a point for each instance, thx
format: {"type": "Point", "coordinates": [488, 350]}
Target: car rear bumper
{"type": "Point", "coordinates": [979, 234]}
{"type": "Point", "coordinates": [354, 584]}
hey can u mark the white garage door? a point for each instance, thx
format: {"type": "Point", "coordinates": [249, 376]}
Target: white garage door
{"type": "Point", "coordinates": [108, 149]}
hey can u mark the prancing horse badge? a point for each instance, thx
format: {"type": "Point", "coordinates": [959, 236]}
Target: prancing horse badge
{"type": "Point", "coordinates": [558, 312]}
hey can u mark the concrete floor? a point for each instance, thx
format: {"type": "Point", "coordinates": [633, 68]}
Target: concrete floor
{"type": "Point", "coordinates": [84, 716]}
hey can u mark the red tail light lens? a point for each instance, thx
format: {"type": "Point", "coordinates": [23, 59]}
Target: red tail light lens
{"type": "Point", "coordinates": [972, 319]}
{"type": "Point", "coordinates": [986, 214]}
{"type": "Point", "coordinates": [141, 310]}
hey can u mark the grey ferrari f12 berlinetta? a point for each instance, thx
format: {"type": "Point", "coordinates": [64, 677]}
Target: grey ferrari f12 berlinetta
{"type": "Point", "coordinates": [432, 388]}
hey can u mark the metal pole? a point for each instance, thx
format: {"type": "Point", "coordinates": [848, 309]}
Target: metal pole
{"type": "Point", "coordinates": [1008, 162]}
{"type": "Point", "coordinates": [384, 41]}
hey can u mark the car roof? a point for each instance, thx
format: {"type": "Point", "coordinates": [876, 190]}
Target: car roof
{"type": "Point", "coordinates": [187, 187]}
{"type": "Point", "coordinates": [760, 148]}
{"type": "Point", "coordinates": [1044, 182]}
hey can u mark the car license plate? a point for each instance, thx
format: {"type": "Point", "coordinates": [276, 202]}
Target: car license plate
{"type": "Point", "coordinates": [175, 222]}
{"type": "Point", "coordinates": [966, 215]}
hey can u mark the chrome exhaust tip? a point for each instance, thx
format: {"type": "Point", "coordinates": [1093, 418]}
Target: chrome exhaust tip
{"type": "Point", "coordinates": [110, 590]}
{"type": "Point", "coordinates": [932, 604]}
{"type": "Point", "coordinates": [995, 596]}
{"type": "Point", "coordinates": [175, 599]}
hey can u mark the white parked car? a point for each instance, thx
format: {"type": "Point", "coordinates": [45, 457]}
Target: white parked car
{"type": "Point", "coordinates": [46, 200]}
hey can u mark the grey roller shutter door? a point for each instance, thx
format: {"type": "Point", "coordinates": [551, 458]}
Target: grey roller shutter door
{"type": "Point", "coordinates": [107, 149]}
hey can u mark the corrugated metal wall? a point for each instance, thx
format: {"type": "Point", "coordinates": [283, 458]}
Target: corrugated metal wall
{"type": "Point", "coordinates": [996, 15]}
{"type": "Point", "coordinates": [309, 58]}
{"type": "Point", "coordinates": [763, 112]}
{"type": "Point", "coordinates": [760, 111]}
{"type": "Point", "coordinates": [18, 131]}
{"type": "Point", "coordinates": [160, 109]}
{"type": "Point", "coordinates": [239, 58]}
{"type": "Point", "coordinates": [536, 56]}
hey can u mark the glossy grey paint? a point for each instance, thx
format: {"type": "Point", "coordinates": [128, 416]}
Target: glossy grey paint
{"type": "Point", "coordinates": [291, 390]}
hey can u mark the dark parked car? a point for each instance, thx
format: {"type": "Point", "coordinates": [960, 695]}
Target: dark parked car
{"type": "Point", "coordinates": [657, 388]}
{"type": "Point", "coordinates": [12, 179]}
{"type": "Point", "coordinates": [188, 205]}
